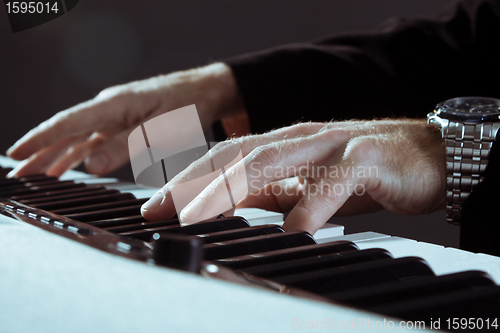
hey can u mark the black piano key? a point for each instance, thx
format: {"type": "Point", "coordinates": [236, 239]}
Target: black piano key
{"type": "Point", "coordinates": [132, 223]}
{"type": "Point", "coordinates": [330, 280]}
{"type": "Point", "coordinates": [25, 179]}
{"type": "Point", "coordinates": [179, 252]}
{"type": "Point", "coordinates": [257, 244]}
{"type": "Point", "coordinates": [222, 236]}
{"type": "Point", "coordinates": [72, 201]}
{"type": "Point", "coordinates": [477, 303]}
{"type": "Point", "coordinates": [211, 225]}
{"type": "Point", "coordinates": [304, 265]}
{"type": "Point", "coordinates": [29, 184]}
{"type": "Point", "coordinates": [63, 185]}
{"type": "Point", "coordinates": [269, 257]}
{"type": "Point", "coordinates": [106, 213]}
{"type": "Point", "coordinates": [125, 224]}
{"type": "Point", "coordinates": [49, 196]}
{"type": "Point", "coordinates": [370, 297]}
{"type": "Point", "coordinates": [84, 205]}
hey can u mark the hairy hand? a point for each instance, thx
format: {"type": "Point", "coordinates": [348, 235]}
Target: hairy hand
{"type": "Point", "coordinates": [96, 131]}
{"type": "Point", "coordinates": [317, 170]}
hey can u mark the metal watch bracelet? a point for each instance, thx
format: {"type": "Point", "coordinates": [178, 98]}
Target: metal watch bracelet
{"type": "Point", "coordinates": [468, 147]}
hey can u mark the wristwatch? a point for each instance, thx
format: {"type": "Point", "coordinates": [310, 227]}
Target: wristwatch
{"type": "Point", "coordinates": [469, 126]}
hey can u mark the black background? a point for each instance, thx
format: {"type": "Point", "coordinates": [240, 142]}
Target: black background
{"type": "Point", "coordinates": [101, 43]}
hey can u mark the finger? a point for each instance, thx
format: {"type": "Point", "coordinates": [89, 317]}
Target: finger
{"type": "Point", "coordinates": [110, 155]}
{"type": "Point", "coordinates": [229, 212]}
{"type": "Point", "coordinates": [162, 198]}
{"type": "Point", "coordinates": [75, 155]}
{"type": "Point", "coordinates": [217, 158]}
{"type": "Point", "coordinates": [326, 196]}
{"type": "Point", "coordinates": [321, 201]}
{"type": "Point", "coordinates": [42, 160]}
{"type": "Point", "coordinates": [80, 120]}
{"type": "Point", "coordinates": [264, 165]}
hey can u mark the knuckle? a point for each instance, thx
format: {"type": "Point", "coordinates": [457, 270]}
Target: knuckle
{"type": "Point", "coordinates": [360, 148]}
{"type": "Point", "coordinates": [307, 128]}
{"type": "Point", "coordinates": [111, 92]}
{"type": "Point", "coordinates": [266, 155]}
{"type": "Point", "coordinates": [225, 153]}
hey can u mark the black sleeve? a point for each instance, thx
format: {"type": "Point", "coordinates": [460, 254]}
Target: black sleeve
{"type": "Point", "coordinates": [402, 68]}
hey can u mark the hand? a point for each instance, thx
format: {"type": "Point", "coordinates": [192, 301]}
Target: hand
{"type": "Point", "coordinates": [97, 131]}
{"type": "Point", "coordinates": [321, 169]}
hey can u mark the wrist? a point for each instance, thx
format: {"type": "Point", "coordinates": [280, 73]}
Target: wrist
{"type": "Point", "coordinates": [219, 85]}
{"type": "Point", "coordinates": [225, 98]}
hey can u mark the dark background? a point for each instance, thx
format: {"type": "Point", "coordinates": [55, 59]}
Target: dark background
{"type": "Point", "coordinates": [100, 43]}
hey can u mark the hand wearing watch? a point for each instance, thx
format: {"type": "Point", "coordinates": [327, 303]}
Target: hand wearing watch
{"type": "Point", "coordinates": [469, 126]}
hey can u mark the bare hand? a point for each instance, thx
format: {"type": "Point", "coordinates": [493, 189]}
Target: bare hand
{"type": "Point", "coordinates": [96, 131]}
{"type": "Point", "coordinates": [318, 170]}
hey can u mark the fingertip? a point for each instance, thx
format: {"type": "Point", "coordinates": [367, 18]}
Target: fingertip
{"type": "Point", "coordinates": [20, 170]}
{"type": "Point", "coordinates": [192, 213]}
{"type": "Point", "coordinates": [10, 151]}
{"type": "Point", "coordinates": [158, 207]}
{"type": "Point", "coordinates": [302, 219]}
{"type": "Point", "coordinates": [11, 174]}
{"type": "Point", "coordinates": [153, 203]}
{"type": "Point", "coordinates": [14, 152]}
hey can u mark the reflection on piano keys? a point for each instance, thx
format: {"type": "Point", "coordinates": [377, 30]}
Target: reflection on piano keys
{"type": "Point", "coordinates": [391, 277]}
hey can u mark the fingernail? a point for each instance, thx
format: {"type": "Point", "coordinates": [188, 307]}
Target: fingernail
{"type": "Point", "coordinates": [10, 150]}
{"type": "Point", "coordinates": [97, 163]}
{"type": "Point", "coordinates": [193, 210]}
{"type": "Point", "coordinates": [11, 174]}
{"type": "Point", "coordinates": [154, 202]}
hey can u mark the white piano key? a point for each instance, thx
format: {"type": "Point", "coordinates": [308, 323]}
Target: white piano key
{"type": "Point", "coordinates": [327, 231]}
{"type": "Point", "coordinates": [450, 260]}
{"type": "Point", "coordinates": [142, 193]}
{"type": "Point", "coordinates": [77, 175]}
{"type": "Point", "coordinates": [493, 265]}
{"type": "Point", "coordinates": [398, 246]}
{"type": "Point", "coordinates": [7, 162]}
{"type": "Point", "coordinates": [256, 216]}
{"type": "Point", "coordinates": [97, 181]}
{"type": "Point", "coordinates": [447, 260]}
{"type": "Point", "coordinates": [368, 235]}
{"type": "Point", "coordinates": [259, 216]}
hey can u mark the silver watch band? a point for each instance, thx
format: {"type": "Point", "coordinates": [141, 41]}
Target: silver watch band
{"type": "Point", "coordinates": [467, 150]}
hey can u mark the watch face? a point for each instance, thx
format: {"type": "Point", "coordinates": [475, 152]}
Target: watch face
{"type": "Point", "coordinates": [470, 109]}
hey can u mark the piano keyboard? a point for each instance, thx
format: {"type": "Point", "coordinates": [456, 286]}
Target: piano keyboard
{"type": "Point", "coordinates": [390, 277]}
{"type": "Point", "coordinates": [253, 215]}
